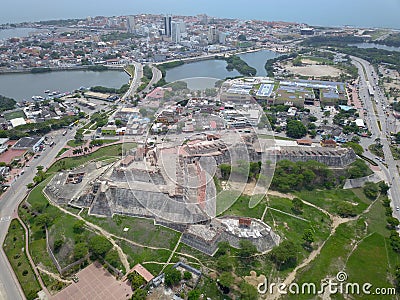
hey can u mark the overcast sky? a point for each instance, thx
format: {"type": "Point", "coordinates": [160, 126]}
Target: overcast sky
{"type": "Point", "coordinates": [371, 13]}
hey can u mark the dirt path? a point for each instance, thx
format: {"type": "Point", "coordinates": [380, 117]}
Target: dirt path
{"type": "Point", "coordinates": [172, 253]}
{"type": "Point", "coordinates": [32, 263]}
{"type": "Point", "coordinates": [336, 221]}
{"type": "Point", "coordinates": [53, 275]}
{"type": "Point", "coordinates": [292, 275]}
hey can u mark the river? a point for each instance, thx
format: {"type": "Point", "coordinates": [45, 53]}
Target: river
{"type": "Point", "coordinates": [18, 32]}
{"type": "Point", "coordinates": [203, 74]}
{"type": "Point", "coordinates": [377, 46]}
{"type": "Point", "coordinates": [22, 86]}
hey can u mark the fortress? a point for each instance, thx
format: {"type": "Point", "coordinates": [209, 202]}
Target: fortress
{"type": "Point", "coordinates": [174, 186]}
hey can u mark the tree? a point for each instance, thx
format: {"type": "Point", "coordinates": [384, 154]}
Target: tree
{"type": "Point", "coordinates": [223, 248]}
{"type": "Point", "coordinates": [358, 169]}
{"type": "Point", "coordinates": [139, 294]}
{"type": "Point", "coordinates": [247, 291]}
{"type": "Point", "coordinates": [57, 245]}
{"type": "Point", "coordinates": [172, 276]}
{"type": "Point", "coordinates": [226, 279]}
{"type": "Point", "coordinates": [78, 227]}
{"type": "Point", "coordinates": [355, 139]}
{"type": "Point", "coordinates": [6, 103]}
{"type": "Point", "coordinates": [112, 258]}
{"type": "Point", "coordinates": [242, 37]}
{"type": "Point", "coordinates": [345, 210]}
{"type": "Point", "coordinates": [284, 255]}
{"type": "Point", "coordinates": [383, 187]}
{"type": "Point", "coordinates": [358, 149]}
{"type": "Point", "coordinates": [224, 263]}
{"type": "Point", "coordinates": [392, 223]}
{"type": "Point", "coordinates": [99, 246]}
{"type": "Point", "coordinates": [295, 129]}
{"type": "Point", "coordinates": [247, 249]}
{"type": "Point", "coordinates": [397, 137]}
{"type": "Point", "coordinates": [44, 220]}
{"type": "Point", "coordinates": [312, 118]}
{"type": "Point", "coordinates": [371, 190]}
{"type": "Point", "coordinates": [194, 295]}
{"type": "Point", "coordinates": [297, 205]}
{"type": "Point", "coordinates": [80, 250]}
{"type": "Point", "coordinates": [187, 275]}
{"type": "Point", "coordinates": [297, 62]}
{"type": "Point", "coordinates": [225, 171]}
{"type": "Point", "coordinates": [308, 237]}
{"type": "Point", "coordinates": [136, 280]}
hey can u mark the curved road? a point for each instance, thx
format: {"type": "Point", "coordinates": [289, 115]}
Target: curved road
{"type": "Point", "coordinates": [135, 81]}
{"type": "Point", "coordinates": [9, 201]}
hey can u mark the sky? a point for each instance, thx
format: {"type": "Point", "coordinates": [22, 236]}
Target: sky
{"type": "Point", "coordinates": [361, 13]}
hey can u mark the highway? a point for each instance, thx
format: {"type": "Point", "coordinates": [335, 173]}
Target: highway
{"type": "Point", "coordinates": [377, 108]}
{"type": "Point", "coordinates": [157, 75]}
{"type": "Point", "coordinates": [136, 80]}
{"type": "Point", "coordinates": [9, 201]}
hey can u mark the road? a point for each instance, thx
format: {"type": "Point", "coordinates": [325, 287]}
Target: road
{"type": "Point", "coordinates": [9, 201]}
{"type": "Point", "coordinates": [377, 109]}
{"type": "Point", "coordinates": [136, 80]}
{"type": "Point", "coordinates": [157, 75]}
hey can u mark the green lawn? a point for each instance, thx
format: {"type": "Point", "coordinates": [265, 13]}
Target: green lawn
{"type": "Point", "coordinates": [13, 247]}
{"type": "Point", "coordinates": [226, 199]}
{"type": "Point", "coordinates": [332, 258]}
{"type": "Point", "coordinates": [138, 255]}
{"type": "Point", "coordinates": [361, 248]}
{"type": "Point", "coordinates": [369, 262]}
{"type": "Point", "coordinates": [395, 151]}
{"type": "Point", "coordinates": [13, 115]}
{"type": "Point", "coordinates": [142, 231]}
{"type": "Point", "coordinates": [240, 207]}
{"type": "Point", "coordinates": [73, 162]}
{"type": "Point", "coordinates": [376, 150]}
{"type": "Point", "coordinates": [329, 199]}
{"type": "Point", "coordinates": [74, 143]}
{"type": "Point", "coordinates": [292, 228]}
{"type": "Point", "coordinates": [275, 137]}
{"type": "Point", "coordinates": [61, 152]}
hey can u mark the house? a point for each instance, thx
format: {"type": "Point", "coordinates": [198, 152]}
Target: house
{"type": "Point", "coordinates": [142, 271]}
{"type": "Point", "coordinates": [304, 142]}
{"type": "Point", "coordinates": [328, 143]}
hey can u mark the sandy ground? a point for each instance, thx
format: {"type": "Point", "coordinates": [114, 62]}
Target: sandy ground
{"type": "Point", "coordinates": [315, 70]}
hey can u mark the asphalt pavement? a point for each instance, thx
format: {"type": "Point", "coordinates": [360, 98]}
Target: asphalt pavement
{"type": "Point", "coordinates": [378, 110]}
{"type": "Point", "coordinates": [9, 201]}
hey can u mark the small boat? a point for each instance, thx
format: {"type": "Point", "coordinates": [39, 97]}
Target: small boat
{"type": "Point", "coordinates": [47, 91]}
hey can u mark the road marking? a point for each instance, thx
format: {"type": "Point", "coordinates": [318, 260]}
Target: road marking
{"type": "Point", "coordinates": [5, 219]}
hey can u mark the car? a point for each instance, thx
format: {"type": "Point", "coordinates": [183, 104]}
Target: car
{"type": "Point", "coordinates": [397, 208]}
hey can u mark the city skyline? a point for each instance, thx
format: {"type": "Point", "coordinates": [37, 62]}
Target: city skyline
{"type": "Point", "coordinates": [333, 13]}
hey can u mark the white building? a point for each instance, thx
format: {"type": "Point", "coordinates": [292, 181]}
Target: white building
{"type": "Point", "coordinates": [130, 24]}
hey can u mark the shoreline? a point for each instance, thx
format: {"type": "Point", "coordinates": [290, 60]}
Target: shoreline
{"type": "Point", "coordinates": [61, 69]}
{"type": "Point", "coordinates": [121, 67]}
